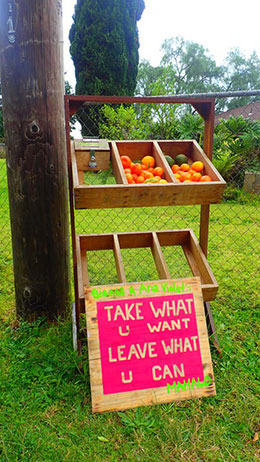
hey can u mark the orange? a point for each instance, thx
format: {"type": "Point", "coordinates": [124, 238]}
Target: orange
{"type": "Point", "coordinates": [126, 161]}
{"type": "Point", "coordinates": [185, 167]}
{"type": "Point", "coordinates": [205, 178]}
{"type": "Point", "coordinates": [196, 176]}
{"type": "Point", "coordinates": [187, 181]}
{"type": "Point", "coordinates": [129, 178]}
{"type": "Point", "coordinates": [151, 170]}
{"type": "Point", "coordinates": [127, 170]}
{"type": "Point", "coordinates": [147, 175]}
{"type": "Point", "coordinates": [192, 171]}
{"type": "Point", "coordinates": [163, 181]}
{"type": "Point", "coordinates": [137, 169]}
{"type": "Point", "coordinates": [158, 171]}
{"type": "Point", "coordinates": [157, 179]}
{"type": "Point", "coordinates": [140, 179]}
{"type": "Point", "coordinates": [177, 176]}
{"type": "Point", "coordinates": [198, 166]}
{"type": "Point", "coordinates": [186, 176]}
{"type": "Point", "coordinates": [134, 176]}
{"type": "Point", "coordinates": [149, 161]}
{"type": "Point", "coordinates": [175, 168]}
{"type": "Point", "coordinates": [144, 167]}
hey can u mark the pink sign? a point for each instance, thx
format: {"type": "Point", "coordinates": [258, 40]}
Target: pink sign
{"type": "Point", "coordinates": [148, 342]}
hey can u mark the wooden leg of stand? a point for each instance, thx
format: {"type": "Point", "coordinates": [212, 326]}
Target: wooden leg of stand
{"type": "Point", "coordinates": [211, 326]}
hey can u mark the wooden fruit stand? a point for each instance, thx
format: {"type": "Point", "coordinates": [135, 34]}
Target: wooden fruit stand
{"type": "Point", "coordinates": [121, 194]}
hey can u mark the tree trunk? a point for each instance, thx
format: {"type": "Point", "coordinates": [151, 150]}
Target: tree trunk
{"type": "Point", "coordinates": [33, 109]}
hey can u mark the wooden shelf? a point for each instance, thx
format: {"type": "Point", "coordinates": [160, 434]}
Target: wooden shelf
{"type": "Point", "coordinates": [155, 240]}
{"type": "Point", "coordinates": [122, 194]}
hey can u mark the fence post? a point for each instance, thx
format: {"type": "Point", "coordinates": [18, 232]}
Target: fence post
{"type": "Point", "coordinates": [33, 109]}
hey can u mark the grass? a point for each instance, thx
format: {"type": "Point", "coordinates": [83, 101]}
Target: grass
{"type": "Point", "coordinates": [45, 402]}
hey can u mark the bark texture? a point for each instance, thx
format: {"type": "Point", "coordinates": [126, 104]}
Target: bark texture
{"type": "Point", "coordinates": [31, 60]}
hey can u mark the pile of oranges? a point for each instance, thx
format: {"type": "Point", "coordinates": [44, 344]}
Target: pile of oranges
{"type": "Point", "coordinates": [144, 172]}
{"type": "Point", "coordinates": [147, 172]}
{"type": "Point", "coordinates": [186, 174]}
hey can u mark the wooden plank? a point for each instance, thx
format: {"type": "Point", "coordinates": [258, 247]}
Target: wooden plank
{"type": "Point", "coordinates": [174, 147]}
{"type": "Point", "coordinates": [135, 149]}
{"type": "Point", "coordinates": [191, 261]}
{"type": "Point", "coordinates": [79, 267]}
{"type": "Point", "coordinates": [135, 240]}
{"type": "Point", "coordinates": [209, 129]}
{"type": "Point", "coordinates": [117, 165]}
{"type": "Point", "coordinates": [159, 258]}
{"type": "Point", "coordinates": [199, 154]}
{"type": "Point", "coordinates": [118, 259]}
{"type": "Point", "coordinates": [98, 144]}
{"type": "Point", "coordinates": [81, 177]}
{"type": "Point", "coordinates": [162, 162]}
{"type": "Point", "coordinates": [173, 237]}
{"type": "Point", "coordinates": [204, 228]}
{"type": "Point", "coordinates": [110, 401]}
{"type": "Point", "coordinates": [83, 159]}
{"type": "Point", "coordinates": [77, 101]}
{"type": "Point", "coordinates": [205, 271]}
{"type": "Point", "coordinates": [84, 266]}
{"type": "Point", "coordinates": [75, 177]}
{"type": "Point", "coordinates": [147, 195]}
{"type": "Point", "coordinates": [96, 241]}
{"type": "Point", "coordinates": [208, 148]}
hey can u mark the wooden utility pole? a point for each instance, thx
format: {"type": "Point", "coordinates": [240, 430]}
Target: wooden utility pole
{"type": "Point", "coordinates": [33, 109]}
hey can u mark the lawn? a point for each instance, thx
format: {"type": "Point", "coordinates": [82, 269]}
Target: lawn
{"type": "Point", "coordinates": [45, 402]}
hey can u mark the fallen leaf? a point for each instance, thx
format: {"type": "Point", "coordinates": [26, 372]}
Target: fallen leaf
{"type": "Point", "coordinates": [103, 439]}
{"type": "Point", "coordinates": [256, 438]}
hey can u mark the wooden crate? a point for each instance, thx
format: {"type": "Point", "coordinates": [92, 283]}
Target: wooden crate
{"type": "Point", "coordinates": [82, 151]}
{"type": "Point", "coordinates": [193, 151]}
{"type": "Point", "coordinates": [155, 241]}
{"type": "Point", "coordinates": [123, 194]}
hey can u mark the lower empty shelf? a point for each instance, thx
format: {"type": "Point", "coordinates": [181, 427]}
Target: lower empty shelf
{"type": "Point", "coordinates": [156, 241]}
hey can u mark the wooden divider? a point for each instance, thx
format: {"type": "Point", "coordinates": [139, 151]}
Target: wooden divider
{"type": "Point", "coordinates": [154, 240]}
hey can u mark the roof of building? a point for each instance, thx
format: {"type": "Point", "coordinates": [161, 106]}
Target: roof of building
{"type": "Point", "coordinates": [251, 111]}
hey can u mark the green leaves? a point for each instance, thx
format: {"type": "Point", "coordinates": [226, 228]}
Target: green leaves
{"type": "Point", "coordinates": [139, 420]}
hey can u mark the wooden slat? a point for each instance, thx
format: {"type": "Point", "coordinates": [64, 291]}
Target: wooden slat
{"type": "Point", "coordinates": [96, 241]}
{"type": "Point", "coordinates": [204, 228]}
{"type": "Point", "coordinates": [106, 241]}
{"type": "Point", "coordinates": [173, 237]}
{"type": "Point", "coordinates": [98, 145]}
{"type": "Point", "coordinates": [83, 159]}
{"type": "Point", "coordinates": [161, 162]}
{"type": "Point", "coordinates": [135, 149]}
{"type": "Point", "coordinates": [206, 274]}
{"type": "Point", "coordinates": [148, 195]}
{"type": "Point", "coordinates": [191, 261]}
{"type": "Point", "coordinates": [75, 177]}
{"type": "Point", "coordinates": [76, 101]}
{"type": "Point", "coordinates": [118, 260]}
{"type": "Point", "coordinates": [79, 268]}
{"type": "Point", "coordinates": [84, 266]}
{"type": "Point", "coordinates": [117, 165]}
{"type": "Point", "coordinates": [81, 176]}
{"type": "Point", "coordinates": [199, 154]}
{"type": "Point", "coordinates": [159, 258]}
{"type": "Point", "coordinates": [135, 240]}
{"type": "Point", "coordinates": [174, 147]}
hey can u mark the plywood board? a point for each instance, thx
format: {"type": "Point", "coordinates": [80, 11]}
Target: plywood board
{"type": "Point", "coordinates": [148, 344]}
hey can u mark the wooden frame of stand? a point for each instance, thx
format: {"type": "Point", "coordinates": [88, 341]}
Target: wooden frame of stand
{"type": "Point", "coordinates": [205, 107]}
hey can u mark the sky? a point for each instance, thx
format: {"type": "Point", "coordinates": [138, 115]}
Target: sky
{"type": "Point", "coordinates": [218, 26]}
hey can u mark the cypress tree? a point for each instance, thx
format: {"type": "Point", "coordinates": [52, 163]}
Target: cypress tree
{"type": "Point", "coordinates": [104, 47]}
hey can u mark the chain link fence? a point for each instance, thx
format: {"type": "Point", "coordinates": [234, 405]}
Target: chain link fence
{"type": "Point", "coordinates": [234, 238]}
